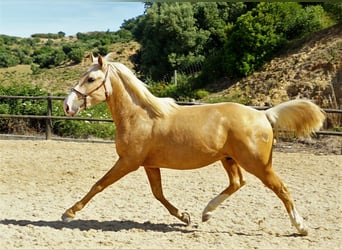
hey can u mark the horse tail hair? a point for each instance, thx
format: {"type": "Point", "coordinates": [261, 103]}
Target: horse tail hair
{"type": "Point", "coordinates": [302, 117]}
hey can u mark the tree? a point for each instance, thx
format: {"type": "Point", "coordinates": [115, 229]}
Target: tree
{"type": "Point", "coordinates": [48, 56]}
{"type": "Point", "coordinates": [169, 38]}
{"type": "Point", "coordinates": [74, 51]}
{"type": "Point", "coordinates": [61, 34]}
{"type": "Point", "coordinates": [214, 17]}
{"type": "Point", "coordinates": [76, 54]}
{"type": "Point", "coordinates": [334, 9]}
{"type": "Point", "coordinates": [178, 35]}
{"type": "Point", "coordinates": [7, 59]}
{"type": "Point", "coordinates": [217, 18]}
{"type": "Point", "coordinates": [259, 33]}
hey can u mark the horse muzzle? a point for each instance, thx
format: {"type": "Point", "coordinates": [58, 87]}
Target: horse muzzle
{"type": "Point", "coordinates": [67, 110]}
{"type": "Point", "coordinates": [70, 109]}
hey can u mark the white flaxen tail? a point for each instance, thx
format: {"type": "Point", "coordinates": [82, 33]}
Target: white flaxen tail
{"type": "Point", "coordinates": [299, 116]}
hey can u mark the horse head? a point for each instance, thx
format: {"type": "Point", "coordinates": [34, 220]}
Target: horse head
{"type": "Point", "coordinates": [92, 88]}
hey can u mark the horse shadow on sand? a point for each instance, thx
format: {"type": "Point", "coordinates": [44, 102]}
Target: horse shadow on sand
{"type": "Point", "coordinates": [125, 225]}
{"type": "Point", "coordinates": [114, 226]}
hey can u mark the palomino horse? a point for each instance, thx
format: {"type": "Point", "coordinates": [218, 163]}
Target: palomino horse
{"type": "Point", "coordinates": [157, 133]}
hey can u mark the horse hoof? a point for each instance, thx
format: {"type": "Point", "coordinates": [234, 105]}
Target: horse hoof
{"type": "Point", "coordinates": [67, 218]}
{"type": "Point", "coordinates": [303, 232]}
{"type": "Point", "coordinates": [206, 216]}
{"type": "Point", "coordinates": [186, 218]}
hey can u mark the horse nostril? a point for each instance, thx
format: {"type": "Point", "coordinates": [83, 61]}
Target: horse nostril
{"type": "Point", "coordinates": [66, 108]}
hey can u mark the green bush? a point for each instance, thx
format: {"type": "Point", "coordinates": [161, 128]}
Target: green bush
{"type": "Point", "coordinates": [260, 33]}
{"type": "Point", "coordinates": [235, 96]}
{"type": "Point", "coordinates": [85, 129]}
{"type": "Point", "coordinates": [22, 107]}
{"type": "Point", "coordinates": [182, 91]}
{"type": "Point", "coordinates": [201, 93]}
{"type": "Point", "coordinates": [76, 55]}
{"type": "Point", "coordinates": [64, 128]}
{"type": "Point", "coordinates": [48, 56]}
{"type": "Point", "coordinates": [7, 59]}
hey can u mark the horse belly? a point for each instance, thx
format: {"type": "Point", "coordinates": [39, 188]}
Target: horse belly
{"type": "Point", "coordinates": [178, 161]}
{"type": "Point", "coordinates": [182, 156]}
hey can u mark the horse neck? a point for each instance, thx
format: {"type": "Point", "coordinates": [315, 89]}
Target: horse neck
{"type": "Point", "coordinates": [122, 107]}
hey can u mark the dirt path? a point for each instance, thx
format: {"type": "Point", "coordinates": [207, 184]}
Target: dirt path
{"type": "Point", "coordinates": [40, 179]}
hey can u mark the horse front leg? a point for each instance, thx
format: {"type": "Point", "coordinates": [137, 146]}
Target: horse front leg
{"type": "Point", "coordinates": [154, 178]}
{"type": "Point", "coordinates": [120, 169]}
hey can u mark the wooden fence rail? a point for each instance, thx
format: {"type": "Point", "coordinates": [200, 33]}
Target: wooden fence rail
{"type": "Point", "coordinates": [49, 117]}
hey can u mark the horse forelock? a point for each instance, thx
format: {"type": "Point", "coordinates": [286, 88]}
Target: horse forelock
{"type": "Point", "coordinates": [156, 107]}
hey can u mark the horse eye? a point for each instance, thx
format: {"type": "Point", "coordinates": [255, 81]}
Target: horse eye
{"type": "Point", "coordinates": [90, 79]}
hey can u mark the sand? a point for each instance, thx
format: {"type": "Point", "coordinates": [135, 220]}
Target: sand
{"type": "Point", "coordinates": [40, 179]}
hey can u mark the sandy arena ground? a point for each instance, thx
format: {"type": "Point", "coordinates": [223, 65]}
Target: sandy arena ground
{"type": "Point", "coordinates": [40, 179]}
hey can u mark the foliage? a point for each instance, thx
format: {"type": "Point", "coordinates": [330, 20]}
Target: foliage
{"type": "Point", "coordinates": [260, 33]}
{"type": "Point", "coordinates": [22, 107]}
{"type": "Point", "coordinates": [104, 38]}
{"type": "Point", "coordinates": [176, 35]}
{"type": "Point", "coordinates": [232, 97]}
{"type": "Point", "coordinates": [85, 129]}
{"type": "Point", "coordinates": [75, 129]}
{"type": "Point", "coordinates": [7, 59]}
{"type": "Point", "coordinates": [47, 56]}
{"type": "Point", "coordinates": [74, 51]}
{"type": "Point", "coordinates": [231, 39]}
{"type": "Point", "coordinates": [169, 38]}
{"type": "Point", "coordinates": [334, 10]}
{"type": "Point", "coordinates": [60, 34]}
{"type": "Point", "coordinates": [50, 50]}
{"type": "Point", "coordinates": [182, 91]}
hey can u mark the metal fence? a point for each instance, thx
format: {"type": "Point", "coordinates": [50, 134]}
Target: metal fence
{"type": "Point", "coordinates": [49, 116]}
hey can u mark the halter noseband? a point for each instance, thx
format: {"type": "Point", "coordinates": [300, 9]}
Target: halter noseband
{"type": "Point", "coordinates": [84, 96]}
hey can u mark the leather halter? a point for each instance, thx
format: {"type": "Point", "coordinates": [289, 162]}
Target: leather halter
{"type": "Point", "coordinates": [84, 96]}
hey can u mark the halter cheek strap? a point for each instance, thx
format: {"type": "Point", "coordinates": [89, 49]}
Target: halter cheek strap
{"type": "Point", "coordinates": [84, 96]}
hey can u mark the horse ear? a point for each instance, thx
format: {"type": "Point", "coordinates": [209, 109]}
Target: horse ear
{"type": "Point", "coordinates": [92, 58]}
{"type": "Point", "coordinates": [101, 61]}
{"type": "Point", "coordinates": [108, 56]}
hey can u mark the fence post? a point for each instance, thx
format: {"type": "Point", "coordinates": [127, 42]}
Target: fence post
{"type": "Point", "coordinates": [48, 121]}
{"type": "Point", "coordinates": [175, 76]}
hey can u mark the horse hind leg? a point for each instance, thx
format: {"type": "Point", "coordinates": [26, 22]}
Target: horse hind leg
{"type": "Point", "coordinates": [273, 182]}
{"type": "Point", "coordinates": [154, 178]}
{"type": "Point", "coordinates": [236, 181]}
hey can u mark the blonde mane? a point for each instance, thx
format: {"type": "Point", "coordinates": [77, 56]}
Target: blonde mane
{"type": "Point", "coordinates": [156, 107]}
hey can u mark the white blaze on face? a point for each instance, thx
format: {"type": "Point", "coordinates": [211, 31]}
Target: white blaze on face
{"type": "Point", "coordinates": [72, 104]}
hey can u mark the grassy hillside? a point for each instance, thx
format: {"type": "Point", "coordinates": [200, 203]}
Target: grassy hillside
{"type": "Point", "coordinates": [307, 68]}
{"type": "Point", "coordinates": [61, 79]}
